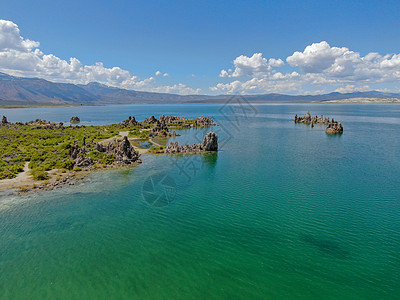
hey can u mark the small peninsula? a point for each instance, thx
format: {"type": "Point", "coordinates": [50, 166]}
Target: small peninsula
{"type": "Point", "coordinates": [45, 155]}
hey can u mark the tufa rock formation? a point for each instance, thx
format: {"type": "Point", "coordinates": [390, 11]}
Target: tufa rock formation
{"type": "Point", "coordinates": [160, 129]}
{"type": "Point", "coordinates": [83, 162]}
{"type": "Point", "coordinates": [210, 143]}
{"type": "Point", "coordinates": [4, 120]}
{"type": "Point", "coordinates": [308, 119]}
{"type": "Point", "coordinates": [130, 121]}
{"type": "Point", "coordinates": [334, 127]}
{"type": "Point", "coordinates": [74, 120]}
{"type": "Point", "coordinates": [183, 122]}
{"type": "Point", "coordinates": [204, 122]}
{"type": "Point", "coordinates": [150, 120]}
{"type": "Point", "coordinates": [122, 150]}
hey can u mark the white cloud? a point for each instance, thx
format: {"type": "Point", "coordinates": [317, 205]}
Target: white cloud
{"type": "Point", "coordinates": [276, 62]}
{"type": "Point", "coordinates": [344, 64]}
{"type": "Point", "coordinates": [257, 86]}
{"type": "Point", "coordinates": [159, 73]}
{"type": "Point", "coordinates": [251, 66]}
{"type": "Point", "coordinates": [10, 38]}
{"type": "Point", "coordinates": [279, 75]}
{"type": "Point", "coordinates": [179, 88]}
{"type": "Point", "coordinates": [317, 57]}
{"type": "Point", "coordinates": [22, 57]}
{"type": "Point", "coordinates": [19, 56]}
{"type": "Point", "coordinates": [350, 88]}
{"type": "Point", "coordinates": [318, 67]}
{"type": "Point", "coordinates": [315, 92]}
{"type": "Point", "coordinates": [223, 74]}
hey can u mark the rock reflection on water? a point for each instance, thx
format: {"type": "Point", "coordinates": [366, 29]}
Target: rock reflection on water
{"type": "Point", "coordinates": [211, 158]}
{"type": "Point", "coordinates": [325, 246]}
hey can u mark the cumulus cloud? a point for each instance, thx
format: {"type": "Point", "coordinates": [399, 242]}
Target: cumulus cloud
{"type": "Point", "coordinates": [19, 56]}
{"type": "Point", "coordinates": [22, 57]}
{"type": "Point", "coordinates": [258, 85]}
{"type": "Point", "coordinates": [11, 39]}
{"type": "Point", "coordinates": [319, 66]}
{"type": "Point", "coordinates": [179, 88]}
{"type": "Point", "coordinates": [159, 73]}
{"type": "Point", "coordinates": [342, 63]}
{"type": "Point", "coordinates": [316, 57]}
{"type": "Point", "coordinates": [251, 66]}
{"type": "Point", "coordinates": [350, 88]}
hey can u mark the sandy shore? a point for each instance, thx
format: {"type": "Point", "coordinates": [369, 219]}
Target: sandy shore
{"type": "Point", "coordinates": [24, 181]}
{"type": "Point", "coordinates": [364, 101]}
{"type": "Point", "coordinates": [22, 178]}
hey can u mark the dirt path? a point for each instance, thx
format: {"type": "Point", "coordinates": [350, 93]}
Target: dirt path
{"type": "Point", "coordinates": [22, 178]}
{"type": "Point", "coordinates": [25, 180]}
{"type": "Point", "coordinates": [153, 142]}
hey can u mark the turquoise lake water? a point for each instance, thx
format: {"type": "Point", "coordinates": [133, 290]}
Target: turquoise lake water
{"type": "Point", "coordinates": [282, 211]}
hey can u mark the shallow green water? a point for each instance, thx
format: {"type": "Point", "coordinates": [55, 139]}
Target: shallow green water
{"type": "Point", "coordinates": [282, 211]}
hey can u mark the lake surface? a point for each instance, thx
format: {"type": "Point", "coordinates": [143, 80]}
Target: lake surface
{"type": "Point", "coordinates": [282, 211]}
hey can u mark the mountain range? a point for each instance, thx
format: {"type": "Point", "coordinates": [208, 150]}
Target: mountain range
{"type": "Point", "coordinates": [35, 91]}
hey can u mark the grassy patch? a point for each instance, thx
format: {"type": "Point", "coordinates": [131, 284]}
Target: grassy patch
{"type": "Point", "coordinates": [47, 149]}
{"type": "Point", "coordinates": [157, 149]}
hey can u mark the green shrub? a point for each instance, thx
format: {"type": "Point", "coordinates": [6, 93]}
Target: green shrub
{"type": "Point", "coordinates": [39, 174]}
{"type": "Point", "coordinates": [69, 164]}
{"type": "Point", "coordinates": [6, 175]}
{"type": "Point", "coordinates": [157, 149]}
{"type": "Point", "coordinates": [18, 159]}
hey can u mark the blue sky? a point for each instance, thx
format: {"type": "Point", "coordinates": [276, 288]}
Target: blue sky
{"type": "Point", "coordinates": [192, 42]}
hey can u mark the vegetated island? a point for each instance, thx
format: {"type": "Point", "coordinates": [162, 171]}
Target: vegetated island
{"type": "Point", "coordinates": [42, 155]}
{"type": "Point", "coordinates": [334, 127]}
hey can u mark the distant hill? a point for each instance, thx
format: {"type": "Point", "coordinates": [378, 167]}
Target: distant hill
{"type": "Point", "coordinates": [19, 91]}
